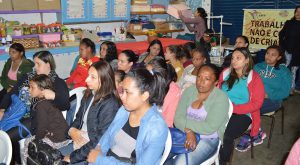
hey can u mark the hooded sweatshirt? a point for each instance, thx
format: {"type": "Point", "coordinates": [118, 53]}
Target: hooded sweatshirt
{"type": "Point", "coordinates": [277, 81]}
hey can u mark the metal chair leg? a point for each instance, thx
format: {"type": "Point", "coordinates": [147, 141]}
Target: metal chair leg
{"type": "Point", "coordinates": [271, 130]}
{"type": "Point", "coordinates": [252, 154]}
{"type": "Point", "coordinates": [282, 120]}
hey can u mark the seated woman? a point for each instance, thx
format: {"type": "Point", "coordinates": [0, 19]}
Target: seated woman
{"type": "Point", "coordinates": [97, 110]}
{"type": "Point", "coordinates": [173, 55]}
{"type": "Point", "coordinates": [169, 88]}
{"type": "Point", "coordinates": [240, 42]}
{"type": "Point", "coordinates": [44, 64]}
{"type": "Point", "coordinates": [138, 133]}
{"type": "Point", "coordinates": [127, 60]}
{"type": "Point", "coordinates": [108, 52]}
{"type": "Point", "coordinates": [87, 58]}
{"type": "Point", "coordinates": [119, 77]}
{"type": "Point", "coordinates": [14, 68]}
{"type": "Point", "coordinates": [206, 39]}
{"type": "Point", "coordinates": [48, 129]}
{"type": "Point", "coordinates": [246, 91]}
{"type": "Point", "coordinates": [277, 80]}
{"type": "Point", "coordinates": [203, 109]}
{"type": "Point", "coordinates": [200, 57]}
{"type": "Point", "coordinates": [154, 51]}
{"type": "Point", "coordinates": [186, 59]}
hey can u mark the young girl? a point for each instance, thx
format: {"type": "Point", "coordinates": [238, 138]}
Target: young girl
{"type": "Point", "coordinates": [108, 52]}
{"type": "Point", "coordinates": [87, 58]}
{"type": "Point", "coordinates": [119, 77]}
{"type": "Point", "coordinates": [200, 57]}
{"type": "Point", "coordinates": [47, 123]}
{"type": "Point", "coordinates": [246, 91]}
{"type": "Point", "coordinates": [173, 55]}
{"type": "Point", "coordinates": [276, 77]}
{"type": "Point", "coordinates": [127, 60]}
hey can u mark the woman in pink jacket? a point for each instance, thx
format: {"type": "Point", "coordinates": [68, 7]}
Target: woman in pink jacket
{"type": "Point", "coordinates": [246, 91]}
{"type": "Point", "coordinates": [170, 89]}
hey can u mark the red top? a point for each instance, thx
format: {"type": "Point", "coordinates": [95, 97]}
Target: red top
{"type": "Point", "coordinates": [77, 78]}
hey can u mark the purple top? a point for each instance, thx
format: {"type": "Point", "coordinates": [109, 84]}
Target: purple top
{"type": "Point", "coordinates": [199, 115]}
{"type": "Point", "coordinates": [199, 26]}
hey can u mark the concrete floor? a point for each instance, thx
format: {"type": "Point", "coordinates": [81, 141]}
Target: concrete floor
{"type": "Point", "coordinates": [281, 144]}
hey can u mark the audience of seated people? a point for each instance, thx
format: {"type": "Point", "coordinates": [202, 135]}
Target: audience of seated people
{"type": "Point", "coordinates": [131, 101]}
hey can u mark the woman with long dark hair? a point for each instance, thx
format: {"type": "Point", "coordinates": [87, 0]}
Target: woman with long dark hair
{"type": "Point", "coordinates": [246, 91]}
{"type": "Point", "coordinates": [199, 21]}
{"type": "Point", "coordinates": [97, 110]}
{"type": "Point", "coordinates": [154, 51]}
{"type": "Point", "coordinates": [108, 52]}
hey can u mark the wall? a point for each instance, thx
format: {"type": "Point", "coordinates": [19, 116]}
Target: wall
{"type": "Point", "coordinates": [233, 12]}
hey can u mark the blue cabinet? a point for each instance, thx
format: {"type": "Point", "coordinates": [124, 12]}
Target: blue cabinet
{"type": "Point", "coordinates": [75, 11]}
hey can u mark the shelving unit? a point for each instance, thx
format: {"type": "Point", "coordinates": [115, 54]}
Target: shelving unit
{"type": "Point", "coordinates": [157, 31]}
{"type": "Point", "coordinates": [148, 12]}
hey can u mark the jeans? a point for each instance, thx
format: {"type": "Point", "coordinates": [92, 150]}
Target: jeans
{"type": "Point", "coordinates": [295, 71]}
{"type": "Point", "coordinates": [297, 81]}
{"type": "Point", "coordinates": [71, 112]}
{"type": "Point", "coordinates": [270, 106]}
{"type": "Point", "coordinates": [67, 150]}
{"type": "Point", "coordinates": [236, 127]}
{"type": "Point", "coordinates": [204, 150]}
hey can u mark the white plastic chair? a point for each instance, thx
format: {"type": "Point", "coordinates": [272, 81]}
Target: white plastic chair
{"type": "Point", "coordinates": [215, 157]}
{"type": "Point", "coordinates": [5, 148]}
{"type": "Point", "coordinates": [79, 94]}
{"type": "Point", "coordinates": [167, 150]}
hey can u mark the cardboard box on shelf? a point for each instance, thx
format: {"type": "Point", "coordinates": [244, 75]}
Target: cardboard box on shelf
{"type": "Point", "coordinates": [5, 5]}
{"type": "Point", "coordinates": [24, 5]}
{"type": "Point", "coordinates": [49, 4]}
{"type": "Point", "coordinates": [136, 2]}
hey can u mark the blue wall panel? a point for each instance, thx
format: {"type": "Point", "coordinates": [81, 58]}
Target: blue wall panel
{"type": "Point", "coordinates": [233, 12]}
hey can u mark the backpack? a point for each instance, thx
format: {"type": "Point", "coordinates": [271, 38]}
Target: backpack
{"type": "Point", "coordinates": [12, 116]}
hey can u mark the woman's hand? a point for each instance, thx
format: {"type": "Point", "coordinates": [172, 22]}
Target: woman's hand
{"type": "Point", "coordinates": [190, 142]}
{"type": "Point", "coordinates": [67, 159]}
{"type": "Point", "coordinates": [179, 13]}
{"type": "Point", "coordinates": [75, 134]}
{"type": "Point", "coordinates": [266, 96]}
{"type": "Point", "coordinates": [1, 114]}
{"type": "Point", "coordinates": [92, 157]}
{"type": "Point", "coordinates": [48, 94]}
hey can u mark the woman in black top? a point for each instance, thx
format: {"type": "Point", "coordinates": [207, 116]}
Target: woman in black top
{"type": "Point", "coordinates": [289, 41]}
{"type": "Point", "coordinates": [97, 110]}
{"type": "Point", "coordinates": [44, 64]}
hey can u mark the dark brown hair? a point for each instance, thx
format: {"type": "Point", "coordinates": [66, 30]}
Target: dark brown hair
{"type": "Point", "coordinates": [281, 54]}
{"type": "Point", "coordinates": [43, 81]}
{"type": "Point", "coordinates": [246, 70]}
{"type": "Point", "coordinates": [47, 57]}
{"type": "Point", "coordinates": [107, 81]}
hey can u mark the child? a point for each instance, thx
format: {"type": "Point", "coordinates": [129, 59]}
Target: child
{"type": "Point", "coordinates": [173, 55]}
{"type": "Point", "coordinates": [119, 77]}
{"type": "Point", "coordinates": [87, 58]}
{"type": "Point", "coordinates": [200, 57]}
{"type": "Point", "coordinates": [47, 122]}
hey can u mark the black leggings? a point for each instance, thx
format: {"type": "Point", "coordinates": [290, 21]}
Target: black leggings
{"type": "Point", "coordinates": [236, 127]}
{"type": "Point", "coordinates": [15, 137]}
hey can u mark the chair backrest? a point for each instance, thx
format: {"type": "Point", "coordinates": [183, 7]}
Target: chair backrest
{"type": "Point", "coordinates": [167, 150]}
{"type": "Point", "coordinates": [5, 148]}
{"type": "Point", "coordinates": [78, 92]}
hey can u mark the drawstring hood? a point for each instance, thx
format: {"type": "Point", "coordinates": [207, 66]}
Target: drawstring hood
{"type": "Point", "coordinates": [267, 70]}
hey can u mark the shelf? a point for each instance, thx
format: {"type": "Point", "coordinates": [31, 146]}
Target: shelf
{"type": "Point", "coordinates": [29, 11]}
{"type": "Point", "coordinates": [156, 31]}
{"type": "Point", "coordinates": [148, 12]}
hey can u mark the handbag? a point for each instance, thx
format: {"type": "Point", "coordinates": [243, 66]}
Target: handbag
{"type": "Point", "coordinates": [41, 153]}
{"type": "Point", "coordinates": [178, 140]}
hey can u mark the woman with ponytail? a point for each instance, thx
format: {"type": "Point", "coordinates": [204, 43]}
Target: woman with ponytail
{"type": "Point", "coordinates": [171, 90]}
{"type": "Point", "coordinates": [199, 21]}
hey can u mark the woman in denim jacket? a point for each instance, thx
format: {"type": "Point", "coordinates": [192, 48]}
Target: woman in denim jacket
{"type": "Point", "coordinates": [138, 133]}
